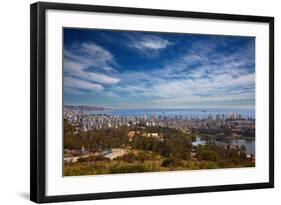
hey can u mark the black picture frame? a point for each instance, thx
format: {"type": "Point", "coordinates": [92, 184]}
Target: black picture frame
{"type": "Point", "coordinates": [38, 101]}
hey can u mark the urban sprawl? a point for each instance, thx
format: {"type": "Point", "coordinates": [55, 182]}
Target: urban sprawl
{"type": "Point", "coordinates": [107, 144]}
{"type": "Point", "coordinates": [85, 121]}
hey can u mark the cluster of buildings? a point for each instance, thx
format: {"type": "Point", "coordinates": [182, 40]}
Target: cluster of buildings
{"type": "Point", "coordinates": [84, 121]}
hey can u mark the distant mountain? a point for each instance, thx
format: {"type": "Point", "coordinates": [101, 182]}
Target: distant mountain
{"type": "Point", "coordinates": [83, 107]}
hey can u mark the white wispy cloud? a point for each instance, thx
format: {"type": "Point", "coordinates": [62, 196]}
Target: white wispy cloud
{"type": "Point", "coordinates": [81, 56]}
{"type": "Point", "coordinates": [74, 83]}
{"type": "Point", "coordinates": [78, 70]}
{"type": "Point", "coordinates": [101, 78]}
{"type": "Point", "coordinates": [148, 45]}
{"type": "Point", "coordinates": [89, 53]}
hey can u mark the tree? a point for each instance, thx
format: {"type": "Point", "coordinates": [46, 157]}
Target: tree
{"type": "Point", "coordinates": [70, 139]}
{"type": "Point", "coordinates": [243, 148]}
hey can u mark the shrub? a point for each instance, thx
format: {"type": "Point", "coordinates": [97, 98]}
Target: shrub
{"type": "Point", "coordinates": [127, 158]}
{"type": "Point", "coordinates": [101, 158]}
{"type": "Point", "coordinates": [171, 162]}
{"type": "Point", "coordinates": [209, 155]}
{"type": "Point", "coordinates": [129, 169]}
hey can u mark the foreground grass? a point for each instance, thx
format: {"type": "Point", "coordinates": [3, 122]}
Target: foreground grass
{"type": "Point", "coordinates": [154, 165]}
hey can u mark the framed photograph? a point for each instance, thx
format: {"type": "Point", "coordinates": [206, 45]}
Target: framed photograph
{"type": "Point", "coordinates": [129, 102]}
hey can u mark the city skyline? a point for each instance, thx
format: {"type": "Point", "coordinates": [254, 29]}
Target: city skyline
{"type": "Point", "coordinates": [124, 69]}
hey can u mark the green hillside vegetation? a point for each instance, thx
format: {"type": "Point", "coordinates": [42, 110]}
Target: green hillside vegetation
{"type": "Point", "coordinates": [146, 154]}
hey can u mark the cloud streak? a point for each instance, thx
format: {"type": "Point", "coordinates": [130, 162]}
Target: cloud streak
{"type": "Point", "coordinates": [74, 83]}
{"type": "Point", "coordinates": [149, 45]}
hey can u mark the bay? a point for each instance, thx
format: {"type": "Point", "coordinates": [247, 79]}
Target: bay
{"type": "Point", "coordinates": [200, 113]}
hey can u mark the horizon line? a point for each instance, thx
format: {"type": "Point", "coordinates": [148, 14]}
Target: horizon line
{"type": "Point", "coordinates": [110, 107]}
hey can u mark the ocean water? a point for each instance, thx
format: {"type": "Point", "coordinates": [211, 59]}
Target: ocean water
{"type": "Point", "coordinates": [200, 113]}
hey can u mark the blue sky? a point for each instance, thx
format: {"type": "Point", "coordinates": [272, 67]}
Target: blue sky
{"type": "Point", "coordinates": [126, 69]}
